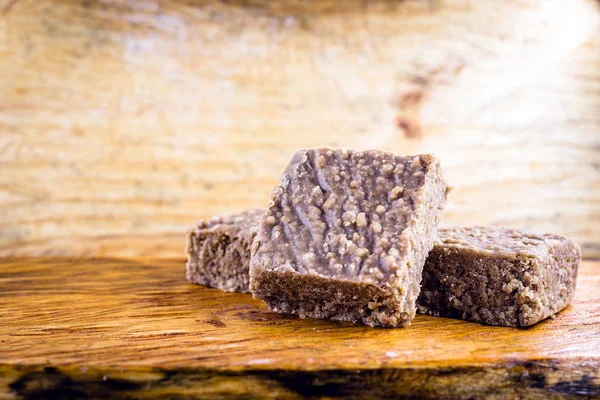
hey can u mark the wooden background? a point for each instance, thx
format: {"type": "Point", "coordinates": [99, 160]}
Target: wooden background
{"type": "Point", "coordinates": [136, 117]}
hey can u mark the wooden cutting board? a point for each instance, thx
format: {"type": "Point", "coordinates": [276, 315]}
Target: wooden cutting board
{"type": "Point", "coordinates": [133, 327]}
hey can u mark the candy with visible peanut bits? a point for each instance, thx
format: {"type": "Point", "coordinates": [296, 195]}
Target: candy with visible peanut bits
{"type": "Point", "coordinates": [498, 276]}
{"type": "Point", "coordinates": [218, 250]}
{"type": "Point", "coordinates": [346, 234]}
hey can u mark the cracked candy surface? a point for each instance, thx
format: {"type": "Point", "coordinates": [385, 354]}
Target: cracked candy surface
{"type": "Point", "coordinates": [337, 214]}
{"type": "Point", "coordinates": [499, 276]}
{"type": "Point", "coordinates": [349, 216]}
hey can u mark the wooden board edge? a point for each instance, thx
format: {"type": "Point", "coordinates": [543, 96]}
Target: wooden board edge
{"type": "Point", "coordinates": [514, 379]}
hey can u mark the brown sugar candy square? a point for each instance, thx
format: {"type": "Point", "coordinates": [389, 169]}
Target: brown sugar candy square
{"type": "Point", "coordinates": [218, 250]}
{"type": "Point", "coordinates": [346, 234]}
{"type": "Point", "coordinates": [467, 275]}
{"type": "Point", "coordinates": [498, 276]}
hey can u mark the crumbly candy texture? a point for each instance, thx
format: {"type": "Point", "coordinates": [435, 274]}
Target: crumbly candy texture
{"type": "Point", "coordinates": [346, 234]}
{"type": "Point", "coordinates": [218, 250]}
{"type": "Point", "coordinates": [498, 276]}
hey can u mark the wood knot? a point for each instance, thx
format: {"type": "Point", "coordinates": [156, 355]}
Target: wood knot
{"type": "Point", "coordinates": [215, 322]}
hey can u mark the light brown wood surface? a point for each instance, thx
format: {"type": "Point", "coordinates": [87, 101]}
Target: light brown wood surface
{"type": "Point", "coordinates": [136, 117]}
{"type": "Point", "coordinates": [134, 327]}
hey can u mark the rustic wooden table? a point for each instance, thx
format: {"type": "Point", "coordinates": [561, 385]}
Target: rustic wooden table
{"type": "Point", "coordinates": [131, 326]}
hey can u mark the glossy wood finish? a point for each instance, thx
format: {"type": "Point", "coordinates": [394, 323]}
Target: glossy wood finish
{"type": "Point", "coordinates": [135, 327]}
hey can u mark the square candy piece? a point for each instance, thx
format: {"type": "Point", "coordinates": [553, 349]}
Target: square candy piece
{"type": "Point", "coordinates": [346, 234]}
{"type": "Point", "coordinates": [498, 276]}
{"type": "Point", "coordinates": [218, 250]}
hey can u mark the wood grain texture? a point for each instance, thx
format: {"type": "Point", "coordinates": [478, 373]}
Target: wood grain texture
{"type": "Point", "coordinates": [136, 117]}
{"type": "Point", "coordinates": [93, 328]}
{"type": "Point", "coordinates": [147, 246]}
